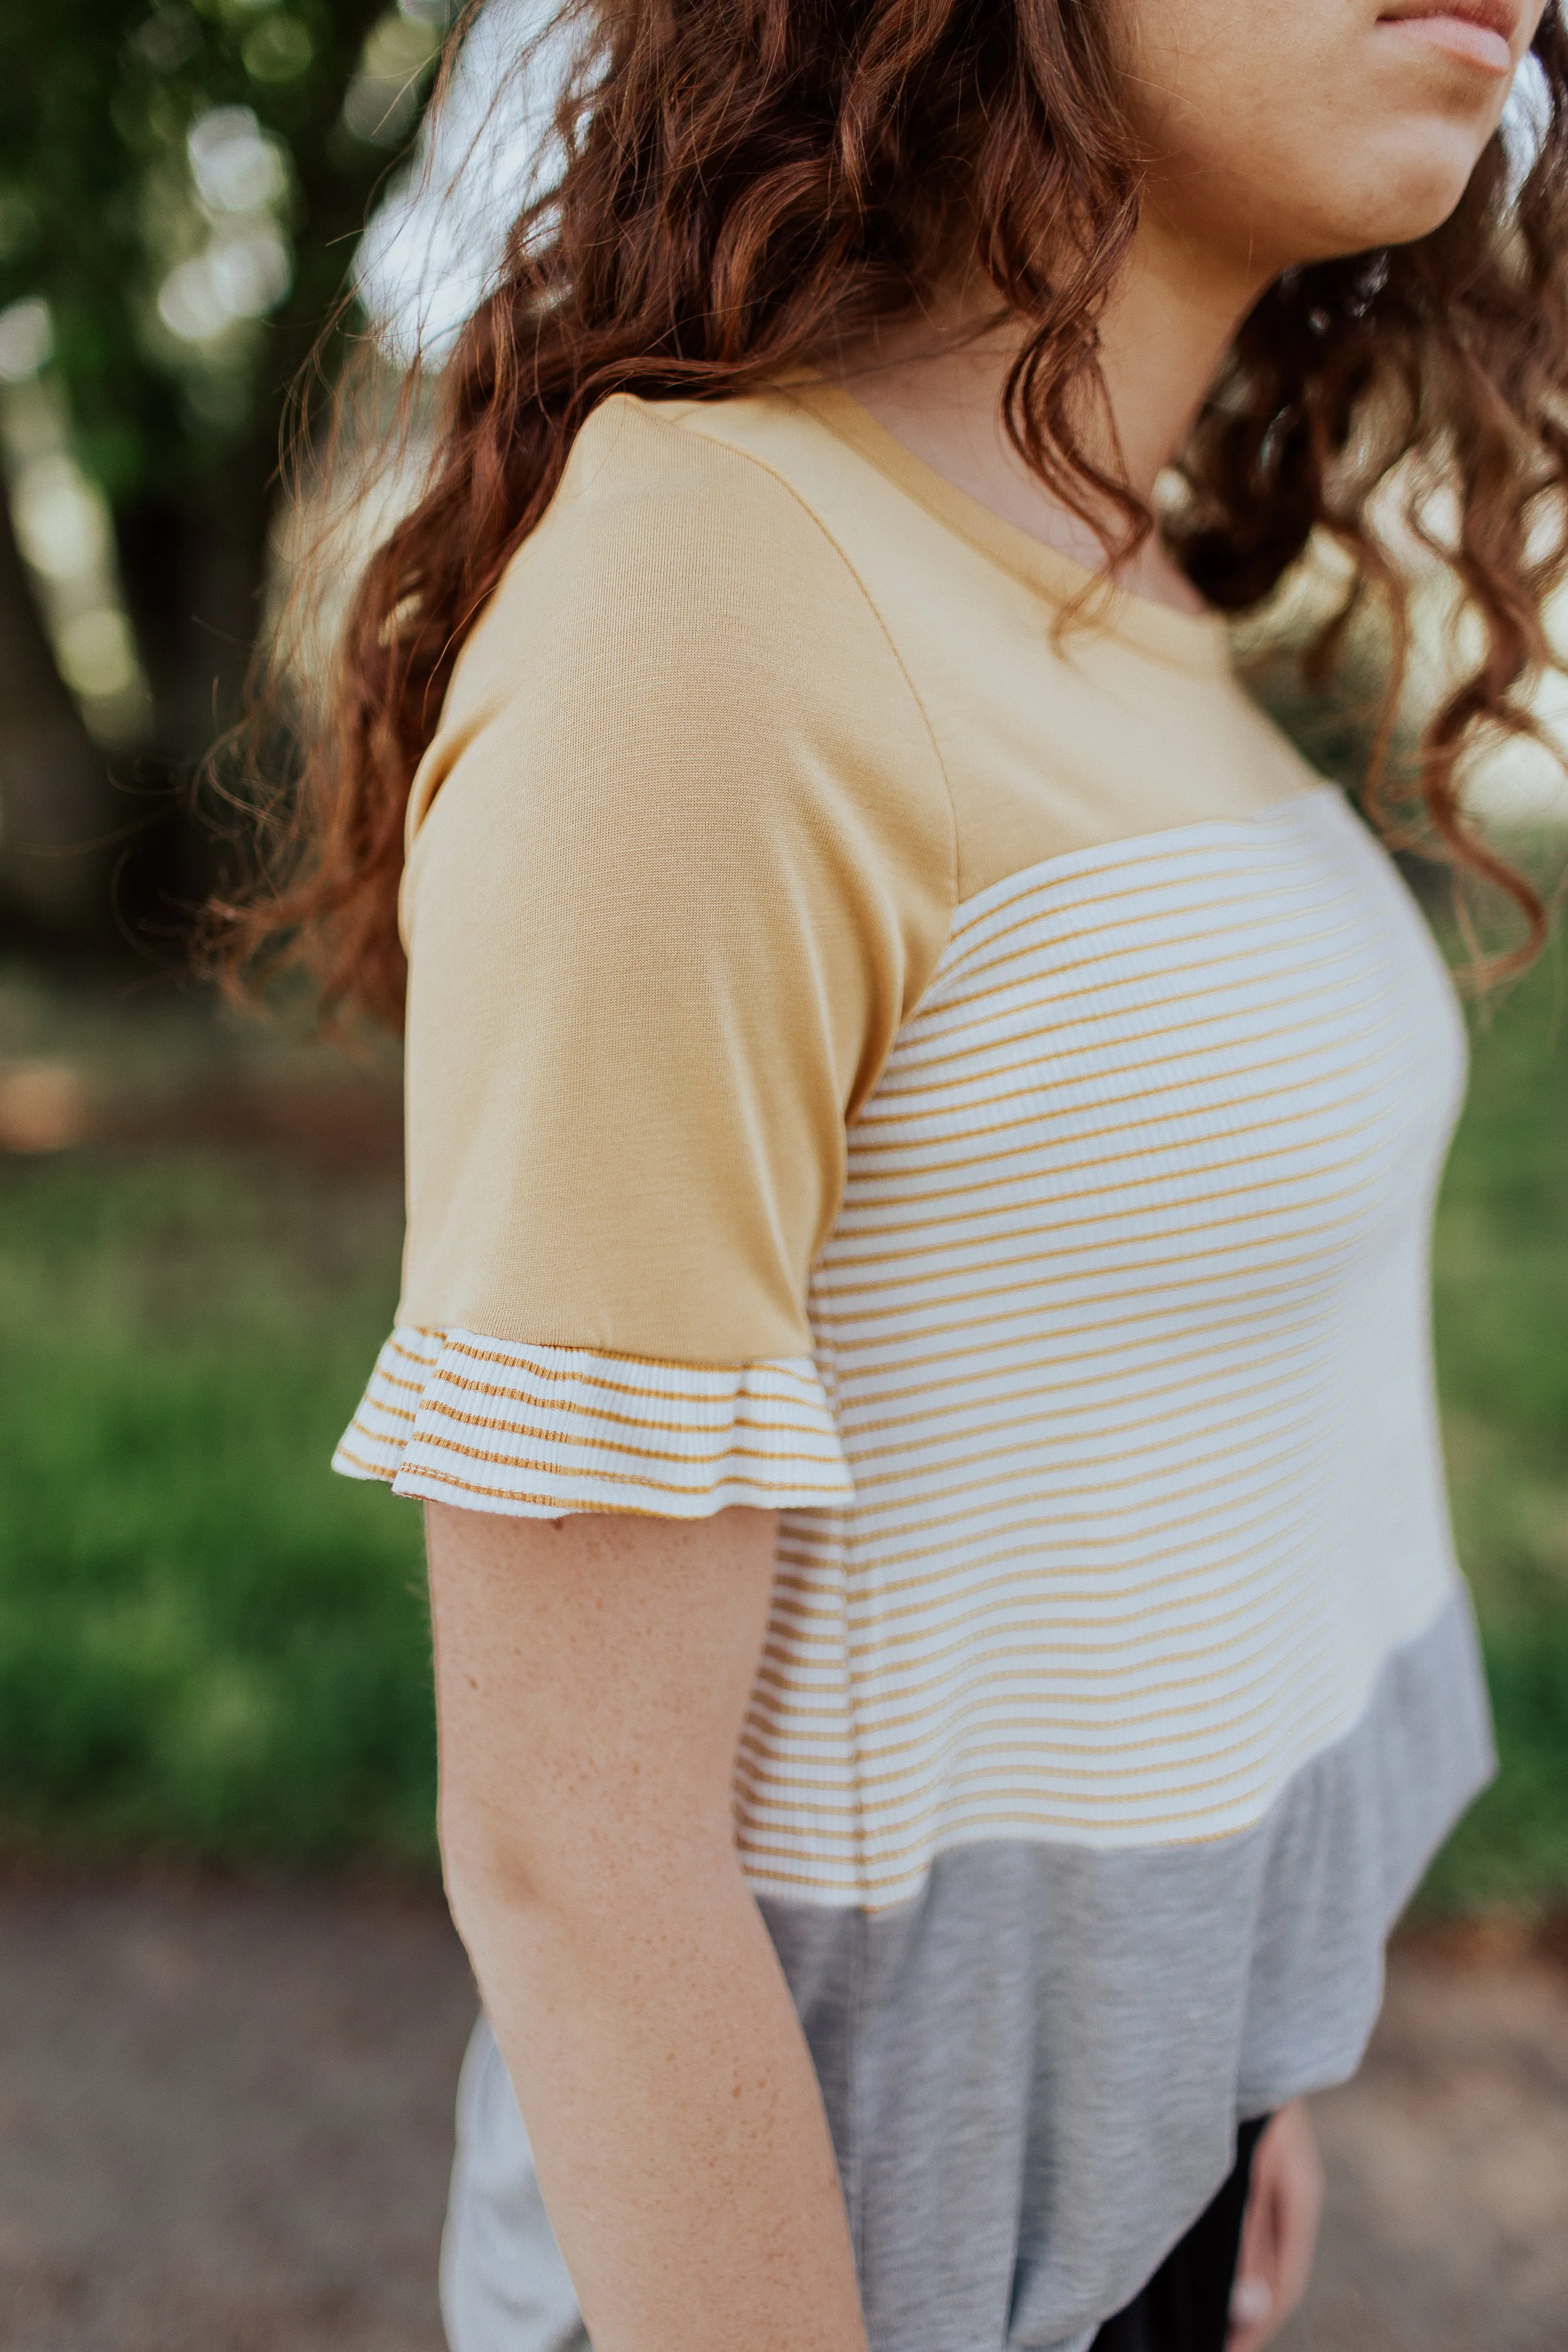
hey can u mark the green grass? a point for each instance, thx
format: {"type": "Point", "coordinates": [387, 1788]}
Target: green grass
{"type": "Point", "coordinates": [209, 1644]}
{"type": "Point", "coordinates": [1503, 1348]}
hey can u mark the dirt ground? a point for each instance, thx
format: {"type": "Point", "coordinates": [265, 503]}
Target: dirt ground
{"type": "Point", "coordinates": [225, 2126]}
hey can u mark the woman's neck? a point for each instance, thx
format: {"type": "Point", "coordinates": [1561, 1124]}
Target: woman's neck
{"type": "Point", "coordinates": [935, 380]}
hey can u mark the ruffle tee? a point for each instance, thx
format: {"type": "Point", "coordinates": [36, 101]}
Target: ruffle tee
{"type": "Point", "coordinates": [963, 1082]}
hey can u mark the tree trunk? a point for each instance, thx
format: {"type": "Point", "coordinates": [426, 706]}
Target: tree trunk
{"type": "Point", "coordinates": [58, 811]}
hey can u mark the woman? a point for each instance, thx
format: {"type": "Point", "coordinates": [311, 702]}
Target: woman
{"type": "Point", "coordinates": [924, 1117]}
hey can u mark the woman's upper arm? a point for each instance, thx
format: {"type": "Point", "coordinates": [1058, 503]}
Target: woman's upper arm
{"type": "Point", "coordinates": [592, 1674]}
{"type": "Point", "coordinates": [666, 914]}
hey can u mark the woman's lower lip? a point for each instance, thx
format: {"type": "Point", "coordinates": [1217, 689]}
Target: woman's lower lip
{"type": "Point", "coordinates": [1459, 37]}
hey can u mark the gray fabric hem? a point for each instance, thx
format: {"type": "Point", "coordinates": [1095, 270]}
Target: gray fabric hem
{"type": "Point", "coordinates": [1034, 2071]}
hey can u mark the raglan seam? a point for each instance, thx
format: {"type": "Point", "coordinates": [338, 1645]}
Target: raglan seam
{"type": "Point", "coordinates": [763, 467]}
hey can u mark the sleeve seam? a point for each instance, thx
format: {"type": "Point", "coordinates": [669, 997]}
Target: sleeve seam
{"type": "Point", "coordinates": [762, 466]}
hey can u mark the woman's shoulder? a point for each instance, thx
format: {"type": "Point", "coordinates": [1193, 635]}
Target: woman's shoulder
{"type": "Point", "coordinates": [680, 648]}
{"type": "Point", "coordinates": [672, 513]}
{"type": "Point", "coordinates": [678, 583]}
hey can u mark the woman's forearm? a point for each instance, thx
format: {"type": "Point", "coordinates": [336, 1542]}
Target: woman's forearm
{"type": "Point", "coordinates": [673, 2111]}
{"type": "Point", "coordinates": [592, 1675]}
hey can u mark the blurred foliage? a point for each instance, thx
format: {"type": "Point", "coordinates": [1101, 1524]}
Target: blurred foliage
{"type": "Point", "coordinates": [114, 212]}
{"type": "Point", "coordinates": [1501, 1317]}
{"type": "Point", "coordinates": [208, 1644]}
{"type": "Point", "coordinates": [97, 100]}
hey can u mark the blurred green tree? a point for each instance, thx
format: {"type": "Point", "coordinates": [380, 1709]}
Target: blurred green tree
{"type": "Point", "coordinates": [181, 193]}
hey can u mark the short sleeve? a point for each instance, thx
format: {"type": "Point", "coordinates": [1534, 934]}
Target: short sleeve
{"type": "Point", "coordinates": [680, 864]}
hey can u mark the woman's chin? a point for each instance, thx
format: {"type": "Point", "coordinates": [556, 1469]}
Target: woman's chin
{"type": "Point", "coordinates": [1404, 209]}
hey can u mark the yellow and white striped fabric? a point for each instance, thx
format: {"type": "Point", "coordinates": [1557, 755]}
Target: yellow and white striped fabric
{"type": "Point", "coordinates": [537, 1431]}
{"type": "Point", "coordinates": [1118, 1309]}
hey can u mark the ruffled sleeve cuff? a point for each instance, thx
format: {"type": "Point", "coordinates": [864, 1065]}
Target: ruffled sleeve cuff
{"type": "Point", "coordinates": [534, 1433]}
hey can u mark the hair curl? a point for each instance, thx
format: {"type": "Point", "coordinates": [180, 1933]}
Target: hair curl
{"type": "Point", "coordinates": [748, 183]}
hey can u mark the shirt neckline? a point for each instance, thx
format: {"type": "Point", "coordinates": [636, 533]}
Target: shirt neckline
{"type": "Point", "coordinates": [1193, 640]}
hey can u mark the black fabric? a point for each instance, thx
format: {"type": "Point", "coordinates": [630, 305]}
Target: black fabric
{"type": "Point", "coordinates": [1186, 2307]}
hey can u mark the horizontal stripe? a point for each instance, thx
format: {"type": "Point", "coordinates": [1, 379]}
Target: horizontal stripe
{"type": "Point", "coordinates": [606, 1435]}
{"type": "Point", "coordinates": [1259, 1032]}
{"type": "Point", "coordinates": [760, 1433]}
{"type": "Point", "coordinates": [844, 1300]}
{"type": "Point", "coordinates": [1270, 969]}
{"type": "Point", "coordinates": [693, 1383]}
{"type": "Point", "coordinates": [915, 1205]}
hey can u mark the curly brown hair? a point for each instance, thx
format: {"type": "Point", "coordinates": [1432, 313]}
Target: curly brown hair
{"type": "Point", "coordinates": [747, 186]}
